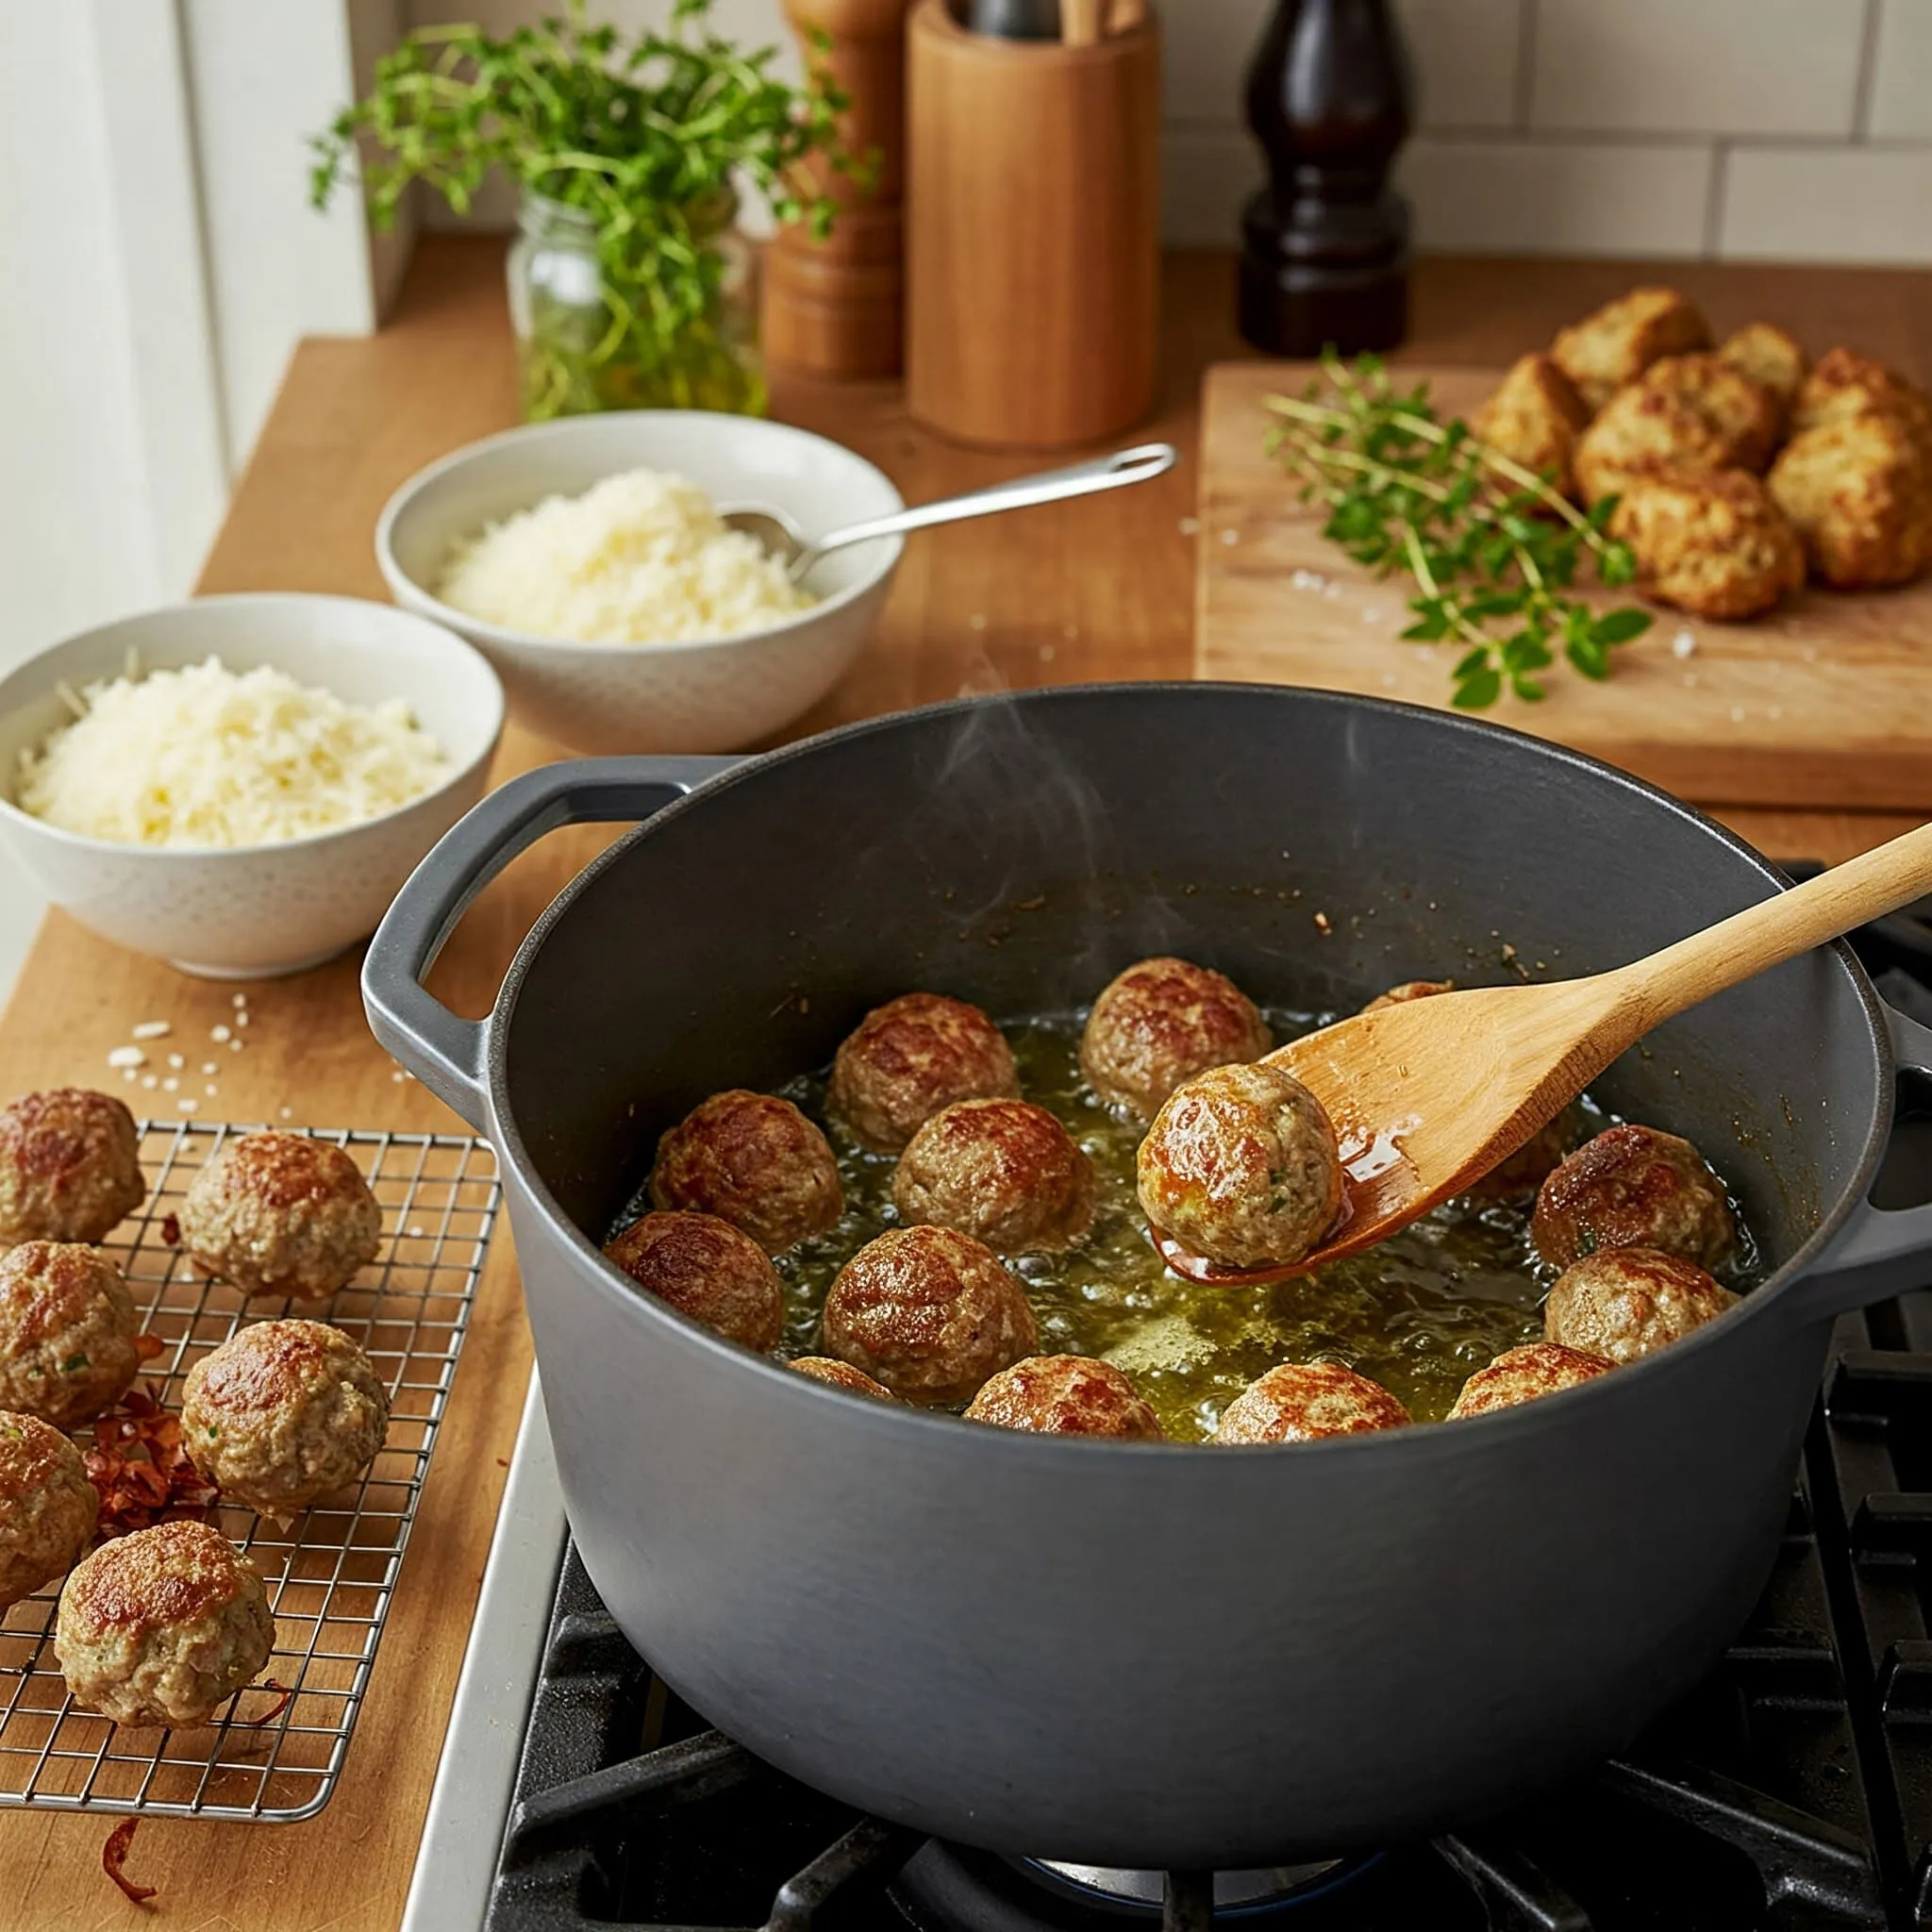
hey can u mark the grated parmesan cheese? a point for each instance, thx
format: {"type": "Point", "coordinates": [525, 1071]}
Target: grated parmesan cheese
{"type": "Point", "coordinates": [206, 757]}
{"type": "Point", "coordinates": [639, 558]}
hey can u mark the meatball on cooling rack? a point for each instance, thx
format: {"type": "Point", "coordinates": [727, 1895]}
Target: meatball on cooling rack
{"type": "Point", "coordinates": [1624, 1303]}
{"type": "Point", "coordinates": [67, 1328]}
{"type": "Point", "coordinates": [1240, 1166]}
{"type": "Point", "coordinates": [162, 1627]}
{"type": "Point", "coordinates": [276, 1213]}
{"type": "Point", "coordinates": [706, 1269]}
{"type": "Point", "coordinates": [1633, 1187]}
{"type": "Point", "coordinates": [929, 1313]}
{"type": "Point", "coordinates": [1303, 1402]}
{"type": "Point", "coordinates": [1005, 1172]}
{"type": "Point", "coordinates": [1522, 1375]}
{"type": "Point", "coordinates": [912, 1056]}
{"type": "Point", "coordinates": [283, 1412]}
{"type": "Point", "coordinates": [1065, 1396]}
{"type": "Point", "coordinates": [754, 1160]}
{"type": "Point", "coordinates": [69, 1166]}
{"type": "Point", "coordinates": [1163, 1022]}
{"type": "Point", "coordinates": [48, 1508]}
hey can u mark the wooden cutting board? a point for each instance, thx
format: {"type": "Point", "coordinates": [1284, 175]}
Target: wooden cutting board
{"type": "Point", "coordinates": [1826, 700]}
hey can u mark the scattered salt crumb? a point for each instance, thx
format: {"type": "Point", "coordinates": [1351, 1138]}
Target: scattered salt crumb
{"type": "Point", "coordinates": [240, 1001]}
{"type": "Point", "coordinates": [1190, 526]}
{"type": "Point", "coordinates": [397, 1077]}
{"type": "Point", "coordinates": [209, 1090]}
{"type": "Point", "coordinates": [1308, 580]}
{"type": "Point", "coordinates": [416, 1234]}
{"type": "Point", "coordinates": [175, 1061]}
{"type": "Point", "coordinates": [169, 1084]}
{"type": "Point", "coordinates": [1321, 924]}
{"type": "Point", "coordinates": [127, 1056]}
{"type": "Point", "coordinates": [1372, 613]}
{"type": "Point", "coordinates": [207, 1066]}
{"type": "Point", "coordinates": [1736, 714]}
{"type": "Point", "coordinates": [234, 1046]}
{"type": "Point", "coordinates": [148, 1080]}
{"type": "Point", "coordinates": [1683, 644]}
{"type": "Point", "coordinates": [1231, 537]}
{"type": "Point", "coordinates": [241, 1019]}
{"type": "Point", "coordinates": [151, 1029]}
{"type": "Point", "coordinates": [1388, 680]}
{"type": "Point", "coordinates": [287, 1113]}
{"type": "Point", "coordinates": [187, 1103]}
{"type": "Point", "coordinates": [218, 1034]}
{"type": "Point", "coordinates": [977, 620]}
{"type": "Point", "coordinates": [1046, 654]}
{"type": "Point", "coordinates": [128, 1072]}
{"type": "Point", "coordinates": [1331, 590]}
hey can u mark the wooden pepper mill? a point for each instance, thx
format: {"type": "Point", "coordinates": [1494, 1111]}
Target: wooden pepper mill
{"type": "Point", "coordinates": [1325, 244]}
{"type": "Point", "coordinates": [837, 307]}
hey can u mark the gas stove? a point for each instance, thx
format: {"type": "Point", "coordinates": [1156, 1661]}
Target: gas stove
{"type": "Point", "coordinates": [1792, 1789]}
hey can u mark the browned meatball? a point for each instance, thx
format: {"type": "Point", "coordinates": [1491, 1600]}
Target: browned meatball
{"type": "Point", "coordinates": [1616, 344]}
{"type": "Point", "coordinates": [1686, 414]}
{"type": "Point", "coordinates": [1065, 1396]}
{"type": "Point", "coordinates": [48, 1508]}
{"type": "Point", "coordinates": [1622, 1303]}
{"type": "Point", "coordinates": [1302, 1402]}
{"type": "Point", "coordinates": [69, 1166]}
{"type": "Point", "coordinates": [1535, 418]}
{"type": "Point", "coordinates": [909, 1057]}
{"type": "Point", "coordinates": [822, 1368]}
{"type": "Point", "coordinates": [1005, 1172]}
{"type": "Point", "coordinates": [67, 1327]}
{"type": "Point", "coordinates": [1163, 1022]}
{"type": "Point", "coordinates": [706, 1269]}
{"type": "Point", "coordinates": [1845, 384]}
{"type": "Point", "coordinates": [283, 1412]}
{"type": "Point", "coordinates": [1408, 990]}
{"type": "Point", "coordinates": [1241, 1167]}
{"type": "Point", "coordinates": [1772, 358]}
{"type": "Point", "coordinates": [163, 1626]}
{"type": "Point", "coordinates": [929, 1312]}
{"type": "Point", "coordinates": [1633, 1187]}
{"type": "Point", "coordinates": [1858, 491]}
{"type": "Point", "coordinates": [276, 1213]}
{"type": "Point", "coordinates": [1714, 544]}
{"type": "Point", "coordinates": [754, 1160]}
{"type": "Point", "coordinates": [1520, 1375]}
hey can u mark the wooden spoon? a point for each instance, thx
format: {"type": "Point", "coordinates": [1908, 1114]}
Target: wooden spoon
{"type": "Point", "coordinates": [1429, 1094]}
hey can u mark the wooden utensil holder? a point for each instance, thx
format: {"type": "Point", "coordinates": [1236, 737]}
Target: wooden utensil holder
{"type": "Point", "coordinates": [1033, 256]}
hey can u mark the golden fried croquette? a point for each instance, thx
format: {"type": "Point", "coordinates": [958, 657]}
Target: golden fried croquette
{"type": "Point", "coordinates": [1535, 417]}
{"type": "Point", "coordinates": [1772, 358]}
{"type": "Point", "coordinates": [1845, 384]}
{"type": "Point", "coordinates": [1684, 413]}
{"type": "Point", "coordinates": [1711, 542]}
{"type": "Point", "coordinates": [1859, 489]}
{"type": "Point", "coordinates": [1617, 343]}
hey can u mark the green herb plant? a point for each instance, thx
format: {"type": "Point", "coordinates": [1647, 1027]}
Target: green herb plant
{"type": "Point", "coordinates": [641, 144]}
{"type": "Point", "coordinates": [1493, 548]}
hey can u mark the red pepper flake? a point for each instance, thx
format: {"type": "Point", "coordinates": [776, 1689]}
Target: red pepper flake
{"type": "Point", "coordinates": [140, 1469]}
{"type": "Point", "coordinates": [170, 1230]}
{"type": "Point", "coordinates": [114, 1855]}
{"type": "Point", "coordinates": [274, 1709]}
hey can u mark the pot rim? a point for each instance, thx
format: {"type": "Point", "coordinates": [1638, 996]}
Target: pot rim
{"type": "Point", "coordinates": [1525, 1419]}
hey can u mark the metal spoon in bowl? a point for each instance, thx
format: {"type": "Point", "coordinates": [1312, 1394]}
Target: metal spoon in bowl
{"type": "Point", "coordinates": [780, 536]}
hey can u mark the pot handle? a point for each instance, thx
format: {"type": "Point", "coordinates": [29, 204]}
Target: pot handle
{"type": "Point", "coordinates": [1879, 1251]}
{"type": "Point", "coordinates": [447, 1054]}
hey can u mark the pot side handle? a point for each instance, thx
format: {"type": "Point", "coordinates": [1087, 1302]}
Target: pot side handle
{"type": "Point", "coordinates": [1878, 1252]}
{"type": "Point", "coordinates": [447, 1053]}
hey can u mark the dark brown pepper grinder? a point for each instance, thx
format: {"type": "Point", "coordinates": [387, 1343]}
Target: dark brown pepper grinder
{"type": "Point", "coordinates": [1325, 244]}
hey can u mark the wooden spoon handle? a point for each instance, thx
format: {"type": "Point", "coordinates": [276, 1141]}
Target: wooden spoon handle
{"type": "Point", "coordinates": [1765, 935]}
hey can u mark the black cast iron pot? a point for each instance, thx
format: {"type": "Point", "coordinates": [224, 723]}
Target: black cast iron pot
{"type": "Point", "coordinates": [1147, 1654]}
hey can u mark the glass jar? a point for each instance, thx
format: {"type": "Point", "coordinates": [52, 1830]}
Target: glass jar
{"type": "Point", "coordinates": [584, 345]}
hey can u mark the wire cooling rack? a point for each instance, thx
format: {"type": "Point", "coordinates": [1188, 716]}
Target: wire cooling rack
{"type": "Point", "coordinates": [332, 1570]}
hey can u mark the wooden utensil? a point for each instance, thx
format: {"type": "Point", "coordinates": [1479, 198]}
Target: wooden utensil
{"type": "Point", "coordinates": [1430, 1094]}
{"type": "Point", "coordinates": [1081, 22]}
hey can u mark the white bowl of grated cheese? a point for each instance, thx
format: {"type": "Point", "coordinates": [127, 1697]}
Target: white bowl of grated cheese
{"type": "Point", "coordinates": [620, 618]}
{"type": "Point", "coordinates": [239, 785]}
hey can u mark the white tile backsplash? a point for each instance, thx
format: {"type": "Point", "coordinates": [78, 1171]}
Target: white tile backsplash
{"type": "Point", "coordinates": [1777, 67]}
{"type": "Point", "coordinates": [1647, 127]}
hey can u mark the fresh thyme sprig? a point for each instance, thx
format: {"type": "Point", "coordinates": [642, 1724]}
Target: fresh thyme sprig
{"type": "Point", "coordinates": [1493, 548]}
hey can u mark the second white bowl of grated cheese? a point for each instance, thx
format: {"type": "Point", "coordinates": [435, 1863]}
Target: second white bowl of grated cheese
{"type": "Point", "coordinates": [584, 560]}
{"type": "Point", "coordinates": [239, 785]}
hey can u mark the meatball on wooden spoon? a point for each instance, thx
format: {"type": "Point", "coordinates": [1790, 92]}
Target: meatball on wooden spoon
{"type": "Point", "coordinates": [1428, 1094]}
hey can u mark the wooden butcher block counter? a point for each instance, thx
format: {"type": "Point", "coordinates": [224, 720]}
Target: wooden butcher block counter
{"type": "Point", "coordinates": [1086, 590]}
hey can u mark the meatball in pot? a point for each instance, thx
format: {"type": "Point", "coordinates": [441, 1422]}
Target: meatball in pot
{"type": "Point", "coordinates": [1163, 1022]}
{"type": "Point", "coordinates": [283, 1412]}
{"type": "Point", "coordinates": [276, 1213]}
{"type": "Point", "coordinates": [1065, 1396]}
{"type": "Point", "coordinates": [1633, 1187]}
{"type": "Point", "coordinates": [909, 1059]}
{"type": "Point", "coordinates": [1624, 1303]}
{"type": "Point", "coordinates": [1240, 1166]}
{"type": "Point", "coordinates": [706, 1269]}
{"type": "Point", "coordinates": [930, 1313]}
{"type": "Point", "coordinates": [1303, 1402]}
{"type": "Point", "coordinates": [752, 1159]}
{"type": "Point", "coordinates": [69, 1166]}
{"type": "Point", "coordinates": [163, 1626]}
{"type": "Point", "coordinates": [67, 1329]}
{"type": "Point", "coordinates": [1522, 1375]}
{"type": "Point", "coordinates": [48, 1508]}
{"type": "Point", "coordinates": [1005, 1172]}
{"type": "Point", "coordinates": [822, 1368]}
